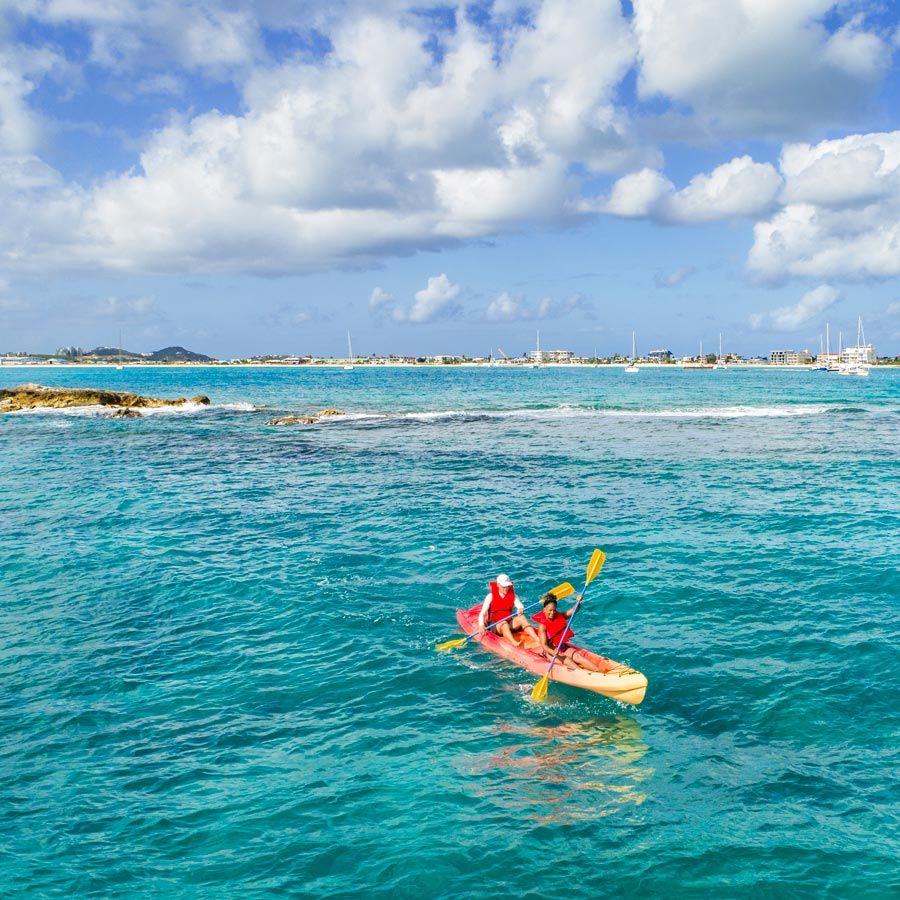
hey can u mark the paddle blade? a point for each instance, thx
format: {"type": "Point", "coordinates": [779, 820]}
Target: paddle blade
{"type": "Point", "coordinates": [562, 590]}
{"type": "Point", "coordinates": [451, 645]}
{"type": "Point", "coordinates": [539, 691]}
{"type": "Point", "coordinates": [598, 557]}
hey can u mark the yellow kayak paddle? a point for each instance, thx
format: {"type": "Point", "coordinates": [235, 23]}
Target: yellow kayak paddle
{"type": "Point", "coordinates": [598, 557]}
{"type": "Point", "coordinates": [561, 590]}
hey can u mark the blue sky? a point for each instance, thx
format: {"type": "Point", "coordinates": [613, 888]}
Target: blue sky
{"type": "Point", "coordinates": [260, 177]}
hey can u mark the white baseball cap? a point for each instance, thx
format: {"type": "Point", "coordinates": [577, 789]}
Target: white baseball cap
{"type": "Point", "coordinates": [504, 581]}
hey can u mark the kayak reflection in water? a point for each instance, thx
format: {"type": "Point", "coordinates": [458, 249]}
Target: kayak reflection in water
{"type": "Point", "coordinates": [499, 605]}
{"type": "Point", "coordinates": [551, 625]}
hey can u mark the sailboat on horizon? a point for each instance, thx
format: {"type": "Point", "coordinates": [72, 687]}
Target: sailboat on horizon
{"type": "Point", "coordinates": [858, 358]}
{"type": "Point", "coordinates": [719, 363]}
{"type": "Point", "coordinates": [119, 364]}
{"type": "Point", "coordinates": [632, 367]}
{"type": "Point", "coordinates": [349, 366]}
{"type": "Point", "coordinates": [700, 362]}
{"type": "Point", "coordinates": [824, 358]}
{"type": "Point", "coordinates": [537, 353]}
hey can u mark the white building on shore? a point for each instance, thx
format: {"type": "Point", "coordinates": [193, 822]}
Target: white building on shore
{"type": "Point", "coordinates": [551, 356]}
{"type": "Point", "coordinates": [856, 356]}
{"type": "Point", "coordinates": [20, 359]}
{"type": "Point", "coordinates": [790, 357]}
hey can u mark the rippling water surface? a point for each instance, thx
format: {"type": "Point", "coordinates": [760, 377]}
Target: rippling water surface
{"type": "Point", "coordinates": [217, 674]}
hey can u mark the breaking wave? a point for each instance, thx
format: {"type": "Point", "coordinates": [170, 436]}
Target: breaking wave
{"type": "Point", "coordinates": [577, 412]}
{"type": "Point", "coordinates": [554, 413]}
{"type": "Point", "coordinates": [107, 412]}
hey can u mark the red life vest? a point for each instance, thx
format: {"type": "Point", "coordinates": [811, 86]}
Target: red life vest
{"type": "Point", "coordinates": [554, 628]}
{"type": "Point", "coordinates": [501, 607]}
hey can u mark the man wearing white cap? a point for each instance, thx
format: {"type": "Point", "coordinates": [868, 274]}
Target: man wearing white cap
{"type": "Point", "coordinates": [497, 611]}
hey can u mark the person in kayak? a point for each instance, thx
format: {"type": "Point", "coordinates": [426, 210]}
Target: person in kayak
{"type": "Point", "coordinates": [500, 604]}
{"type": "Point", "coordinates": [551, 625]}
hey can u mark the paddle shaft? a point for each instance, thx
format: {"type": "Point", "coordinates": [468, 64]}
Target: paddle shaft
{"type": "Point", "coordinates": [516, 613]}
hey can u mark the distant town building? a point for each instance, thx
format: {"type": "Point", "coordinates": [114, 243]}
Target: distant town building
{"type": "Point", "coordinates": [660, 355]}
{"type": "Point", "coordinates": [20, 359]}
{"type": "Point", "coordinates": [283, 360]}
{"type": "Point", "coordinates": [858, 355]}
{"type": "Point", "coordinates": [790, 358]}
{"type": "Point", "coordinates": [71, 351]}
{"type": "Point", "coordinates": [551, 356]}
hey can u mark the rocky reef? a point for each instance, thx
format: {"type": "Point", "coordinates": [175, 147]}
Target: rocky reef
{"type": "Point", "coordinates": [305, 420]}
{"type": "Point", "coordinates": [122, 404]}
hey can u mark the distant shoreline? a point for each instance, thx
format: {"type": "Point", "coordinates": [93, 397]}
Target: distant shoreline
{"type": "Point", "coordinates": [466, 365]}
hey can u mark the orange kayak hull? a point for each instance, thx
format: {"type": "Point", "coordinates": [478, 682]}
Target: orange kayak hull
{"type": "Point", "coordinates": [615, 680]}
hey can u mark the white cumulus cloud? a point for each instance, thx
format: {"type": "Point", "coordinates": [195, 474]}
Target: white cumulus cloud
{"type": "Point", "coordinates": [790, 318]}
{"type": "Point", "coordinates": [552, 308]}
{"type": "Point", "coordinates": [405, 131]}
{"type": "Point", "coordinates": [638, 195]}
{"type": "Point", "coordinates": [841, 213]}
{"type": "Point", "coordinates": [506, 308]}
{"type": "Point", "coordinates": [757, 66]}
{"type": "Point", "coordinates": [379, 299]}
{"type": "Point", "coordinates": [435, 301]}
{"type": "Point", "coordinates": [739, 188]}
{"type": "Point", "coordinates": [378, 147]}
{"type": "Point", "coordinates": [675, 277]}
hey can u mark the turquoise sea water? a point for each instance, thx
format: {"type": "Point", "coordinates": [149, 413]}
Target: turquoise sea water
{"type": "Point", "coordinates": [217, 674]}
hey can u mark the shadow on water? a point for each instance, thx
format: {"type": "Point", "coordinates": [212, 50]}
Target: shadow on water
{"type": "Point", "coordinates": [565, 773]}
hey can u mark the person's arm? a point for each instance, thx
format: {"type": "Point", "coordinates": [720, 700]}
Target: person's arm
{"type": "Point", "coordinates": [520, 609]}
{"type": "Point", "coordinates": [542, 637]}
{"type": "Point", "coordinates": [482, 616]}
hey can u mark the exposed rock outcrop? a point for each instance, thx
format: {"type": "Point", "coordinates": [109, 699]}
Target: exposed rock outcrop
{"type": "Point", "coordinates": [305, 420]}
{"type": "Point", "coordinates": [36, 396]}
{"type": "Point", "coordinates": [293, 420]}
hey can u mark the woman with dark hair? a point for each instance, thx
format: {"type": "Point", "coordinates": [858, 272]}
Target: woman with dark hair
{"type": "Point", "coordinates": [554, 635]}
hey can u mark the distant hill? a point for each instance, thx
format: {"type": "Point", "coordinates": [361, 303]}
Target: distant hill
{"type": "Point", "coordinates": [177, 354]}
{"type": "Point", "coordinates": [167, 354]}
{"type": "Point", "coordinates": [106, 351]}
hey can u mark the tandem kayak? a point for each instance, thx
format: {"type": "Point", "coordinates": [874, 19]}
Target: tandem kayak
{"type": "Point", "coordinates": [617, 681]}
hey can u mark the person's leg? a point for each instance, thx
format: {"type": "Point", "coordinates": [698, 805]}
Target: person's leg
{"type": "Point", "coordinates": [520, 623]}
{"type": "Point", "coordinates": [582, 660]}
{"type": "Point", "coordinates": [505, 632]}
